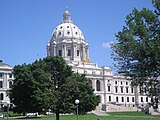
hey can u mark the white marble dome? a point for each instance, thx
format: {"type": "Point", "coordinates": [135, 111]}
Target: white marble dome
{"type": "Point", "coordinates": [67, 30]}
{"type": "Point", "coordinates": [68, 41]}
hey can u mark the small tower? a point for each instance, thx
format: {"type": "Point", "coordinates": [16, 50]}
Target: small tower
{"type": "Point", "coordinates": [67, 16]}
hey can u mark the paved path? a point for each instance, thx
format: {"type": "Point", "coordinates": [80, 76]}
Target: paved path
{"type": "Point", "coordinates": [99, 113]}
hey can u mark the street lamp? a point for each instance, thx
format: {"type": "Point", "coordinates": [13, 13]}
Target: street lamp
{"type": "Point", "coordinates": [8, 105]}
{"type": "Point", "coordinates": [77, 102]}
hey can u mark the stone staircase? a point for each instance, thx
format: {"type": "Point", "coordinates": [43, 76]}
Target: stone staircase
{"type": "Point", "coordinates": [100, 113]}
{"type": "Point", "coordinates": [118, 108]}
{"type": "Point", "coordinates": [114, 108]}
{"type": "Point", "coordinates": [155, 113]}
{"type": "Point", "coordinates": [111, 107]}
{"type": "Point", "coordinates": [152, 111]}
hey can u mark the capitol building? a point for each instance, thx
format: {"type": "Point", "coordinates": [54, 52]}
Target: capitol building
{"type": "Point", "coordinates": [68, 41]}
{"type": "Point", "coordinates": [6, 81]}
{"type": "Point", "coordinates": [115, 90]}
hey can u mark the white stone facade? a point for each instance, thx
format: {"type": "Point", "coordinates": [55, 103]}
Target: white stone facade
{"type": "Point", "coordinates": [6, 81]}
{"type": "Point", "coordinates": [115, 91]}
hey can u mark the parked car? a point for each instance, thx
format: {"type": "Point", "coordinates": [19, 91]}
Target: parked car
{"type": "Point", "coordinates": [32, 115]}
{"type": "Point", "coordinates": [1, 115]}
{"type": "Point", "coordinates": [49, 113]}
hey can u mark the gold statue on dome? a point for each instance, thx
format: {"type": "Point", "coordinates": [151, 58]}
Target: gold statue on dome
{"type": "Point", "coordinates": [86, 61]}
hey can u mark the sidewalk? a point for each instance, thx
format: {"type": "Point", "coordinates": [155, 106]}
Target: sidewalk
{"type": "Point", "coordinates": [100, 113]}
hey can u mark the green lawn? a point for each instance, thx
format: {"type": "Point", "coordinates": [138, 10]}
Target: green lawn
{"type": "Point", "coordinates": [113, 116]}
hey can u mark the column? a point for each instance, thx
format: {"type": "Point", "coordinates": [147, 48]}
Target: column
{"type": "Point", "coordinates": [54, 50]}
{"type": "Point", "coordinates": [48, 50]}
{"type": "Point", "coordinates": [74, 52]}
{"type": "Point", "coordinates": [86, 53]}
{"type": "Point", "coordinates": [64, 50]}
{"type": "Point", "coordinates": [84, 56]}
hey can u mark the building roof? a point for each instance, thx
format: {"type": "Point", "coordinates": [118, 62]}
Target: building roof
{"type": "Point", "coordinates": [4, 64]}
{"type": "Point", "coordinates": [66, 30]}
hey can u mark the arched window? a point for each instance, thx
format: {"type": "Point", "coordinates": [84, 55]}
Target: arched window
{"type": "Point", "coordinates": [132, 90]}
{"type": "Point", "coordinates": [109, 98]}
{"type": "Point", "coordinates": [127, 99]}
{"type": "Point", "coordinates": [1, 84]}
{"type": "Point", "coordinates": [116, 99]}
{"type": "Point", "coordinates": [141, 99]}
{"type": "Point", "coordinates": [98, 85]}
{"type": "Point", "coordinates": [1, 96]}
{"type": "Point", "coordinates": [122, 99]}
{"type": "Point", "coordinates": [132, 99]}
{"type": "Point", "coordinates": [146, 99]}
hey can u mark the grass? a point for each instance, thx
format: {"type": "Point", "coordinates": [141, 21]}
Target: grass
{"type": "Point", "coordinates": [128, 113]}
{"type": "Point", "coordinates": [113, 116]}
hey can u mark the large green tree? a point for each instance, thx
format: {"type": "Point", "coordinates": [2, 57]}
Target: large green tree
{"type": "Point", "coordinates": [31, 88]}
{"type": "Point", "coordinates": [51, 84]}
{"type": "Point", "coordinates": [85, 94]}
{"type": "Point", "coordinates": [59, 74]}
{"type": "Point", "coordinates": [137, 51]}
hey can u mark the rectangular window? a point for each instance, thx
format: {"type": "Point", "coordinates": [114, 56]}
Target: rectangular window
{"type": "Point", "coordinates": [121, 89]}
{"type": "Point", "coordinates": [109, 88]}
{"type": "Point", "coordinates": [1, 75]}
{"type": "Point", "coordinates": [127, 99]}
{"type": "Point", "coordinates": [116, 89]}
{"type": "Point", "coordinates": [69, 52]}
{"type": "Point", "coordinates": [77, 52]}
{"type": "Point", "coordinates": [10, 75]}
{"type": "Point", "coordinates": [126, 89]}
{"type": "Point", "coordinates": [10, 84]}
{"type": "Point", "coordinates": [1, 84]}
{"type": "Point", "coordinates": [60, 52]}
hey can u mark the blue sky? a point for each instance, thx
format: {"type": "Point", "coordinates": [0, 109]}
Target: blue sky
{"type": "Point", "coordinates": [26, 26]}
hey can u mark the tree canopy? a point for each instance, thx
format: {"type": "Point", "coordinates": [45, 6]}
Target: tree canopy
{"type": "Point", "coordinates": [137, 51]}
{"type": "Point", "coordinates": [138, 47]}
{"type": "Point", "coordinates": [50, 84]}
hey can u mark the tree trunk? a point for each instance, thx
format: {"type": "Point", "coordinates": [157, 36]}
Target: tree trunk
{"type": "Point", "coordinates": [57, 114]}
{"type": "Point", "coordinates": [136, 96]}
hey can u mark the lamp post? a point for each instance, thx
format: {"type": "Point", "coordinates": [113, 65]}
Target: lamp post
{"type": "Point", "coordinates": [77, 102]}
{"type": "Point", "coordinates": [8, 110]}
{"type": "Point", "coordinates": [57, 106]}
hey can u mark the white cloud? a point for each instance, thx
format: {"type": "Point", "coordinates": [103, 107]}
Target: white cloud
{"type": "Point", "coordinates": [107, 45]}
